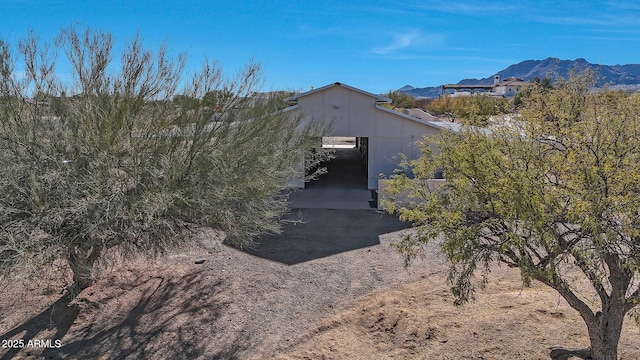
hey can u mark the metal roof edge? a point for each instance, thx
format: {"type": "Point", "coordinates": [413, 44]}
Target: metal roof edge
{"type": "Point", "coordinates": [409, 117]}
{"type": "Point", "coordinates": [455, 128]}
{"type": "Point", "coordinates": [379, 98]}
{"type": "Point", "coordinates": [292, 107]}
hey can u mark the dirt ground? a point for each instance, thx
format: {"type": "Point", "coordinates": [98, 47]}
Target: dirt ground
{"type": "Point", "coordinates": [327, 288]}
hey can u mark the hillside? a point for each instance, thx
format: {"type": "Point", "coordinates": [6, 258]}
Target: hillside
{"type": "Point", "coordinates": [617, 76]}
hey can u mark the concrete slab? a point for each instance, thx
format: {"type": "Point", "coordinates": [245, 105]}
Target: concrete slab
{"type": "Point", "coordinates": [330, 199]}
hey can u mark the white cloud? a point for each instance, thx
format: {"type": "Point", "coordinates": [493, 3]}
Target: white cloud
{"type": "Point", "coordinates": [408, 39]}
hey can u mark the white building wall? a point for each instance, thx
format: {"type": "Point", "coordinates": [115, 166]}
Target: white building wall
{"type": "Point", "coordinates": [393, 135]}
{"type": "Point", "coordinates": [353, 113]}
{"type": "Point", "coordinates": [349, 112]}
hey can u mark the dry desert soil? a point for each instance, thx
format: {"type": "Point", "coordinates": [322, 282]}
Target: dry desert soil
{"type": "Point", "coordinates": [329, 287]}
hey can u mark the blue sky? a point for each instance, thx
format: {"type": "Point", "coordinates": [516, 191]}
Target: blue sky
{"type": "Point", "coordinates": [373, 45]}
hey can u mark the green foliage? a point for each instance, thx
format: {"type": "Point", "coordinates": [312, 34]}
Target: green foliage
{"type": "Point", "coordinates": [471, 110]}
{"type": "Point", "coordinates": [423, 103]}
{"type": "Point", "coordinates": [558, 190]}
{"type": "Point", "coordinates": [134, 159]}
{"type": "Point", "coordinates": [400, 100]}
{"type": "Point", "coordinates": [541, 85]}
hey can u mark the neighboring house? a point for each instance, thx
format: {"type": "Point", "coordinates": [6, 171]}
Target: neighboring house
{"type": "Point", "coordinates": [381, 133]}
{"type": "Point", "coordinates": [508, 87]}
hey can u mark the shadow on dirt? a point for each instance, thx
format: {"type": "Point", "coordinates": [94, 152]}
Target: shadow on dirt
{"type": "Point", "coordinates": [311, 234]}
{"type": "Point", "coordinates": [567, 354]}
{"type": "Point", "coordinates": [167, 317]}
{"type": "Point", "coordinates": [59, 316]}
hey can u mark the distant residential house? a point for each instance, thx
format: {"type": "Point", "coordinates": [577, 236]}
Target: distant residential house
{"type": "Point", "coordinates": [381, 133]}
{"type": "Point", "coordinates": [508, 88]}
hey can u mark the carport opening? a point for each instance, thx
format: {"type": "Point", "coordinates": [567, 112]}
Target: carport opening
{"type": "Point", "coordinates": [339, 142]}
{"type": "Point", "coordinates": [348, 170]}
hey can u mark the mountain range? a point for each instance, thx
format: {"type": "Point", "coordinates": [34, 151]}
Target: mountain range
{"type": "Point", "coordinates": [625, 77]}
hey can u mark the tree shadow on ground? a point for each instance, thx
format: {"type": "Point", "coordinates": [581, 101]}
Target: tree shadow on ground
{"type": "Point", "coordinates": [310, 234]}
{"type": "Point", "coordinates": [59, 316]}
{"type": "Point", "coordinates": [160, 317]}
{"type": "Point", "coordinates": [566, 354]}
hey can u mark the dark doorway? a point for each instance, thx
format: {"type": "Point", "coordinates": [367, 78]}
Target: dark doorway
{"type": "Point", "coordinates": [344, 186]}
{"type": "Point", "coordinates": [345, 171]}
{"type": "Point", "coordinates": [348, 170]}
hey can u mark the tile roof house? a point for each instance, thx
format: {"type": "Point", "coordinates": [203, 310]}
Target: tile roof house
{"type": "Point", "coordinates": [509, 87]}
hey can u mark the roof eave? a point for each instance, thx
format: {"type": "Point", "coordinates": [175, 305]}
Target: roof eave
{"type": "Point", "coordinates": [379, 99]}
{"type": "Point", "coordinates": [408, 117]}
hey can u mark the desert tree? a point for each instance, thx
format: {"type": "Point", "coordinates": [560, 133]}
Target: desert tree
{"type": "Point", "coordinates": [400, 100]}
{"type": "Point", "coordinates": [472, 110]}
{"type": "Point", "coordinates": [544, 84]}
{"type": "Point", "coordinates": [555, 194]}
{"type": "Point", "coordinates": [134, 153]}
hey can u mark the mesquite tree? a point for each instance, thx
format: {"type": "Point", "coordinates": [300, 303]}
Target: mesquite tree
{"type": "Point", "coordinates": [555, 193]}
{"type": "Point", "coordinates": [134, 153]}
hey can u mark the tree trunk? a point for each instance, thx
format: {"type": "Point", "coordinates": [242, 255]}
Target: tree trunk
{"type": "Point", "coordinates": [604, 326]}
{"type": "Point", "coordinates": [604, 331]}
{"type": "Point", "coordinates": [82, 268]}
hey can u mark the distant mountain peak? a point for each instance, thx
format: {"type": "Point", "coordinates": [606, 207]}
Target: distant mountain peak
{"type": "Point", "coordinates": [554, 68]}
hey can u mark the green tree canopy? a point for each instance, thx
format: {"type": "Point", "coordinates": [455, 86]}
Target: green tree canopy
{"type": "Point", "coordinates": [400, 100]}
{"type": "Point", "coordinates": [135, 154]}
{"type": "Point", "coordinates": [472, 110]}
{"type": "Point", "coordinates": [544, 84]}
{"type": "Point", "coordinates": [556, 194]}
